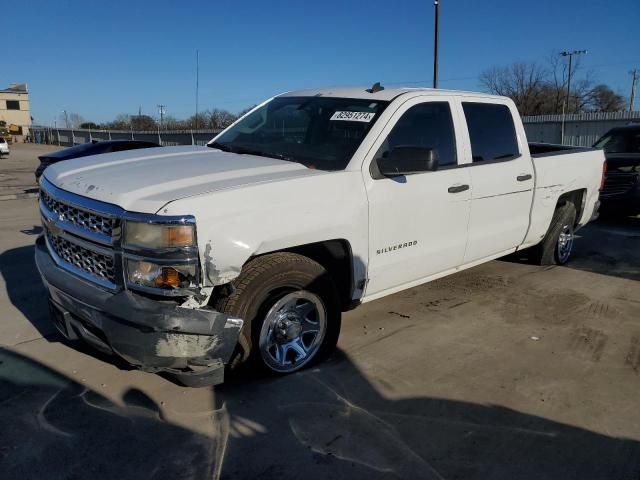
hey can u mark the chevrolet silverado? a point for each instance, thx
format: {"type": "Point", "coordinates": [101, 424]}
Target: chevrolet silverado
{"type": "Point", "coordinates": [196, 260]}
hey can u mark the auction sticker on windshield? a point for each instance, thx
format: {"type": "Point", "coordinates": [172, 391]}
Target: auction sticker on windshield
{"type": "Point", "coordinates": [353, 116]}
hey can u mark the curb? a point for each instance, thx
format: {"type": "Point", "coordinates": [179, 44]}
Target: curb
{"type": "Point", "coordinates": [18, 196]}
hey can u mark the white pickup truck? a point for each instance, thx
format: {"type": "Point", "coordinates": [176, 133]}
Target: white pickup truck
{"type": "Point", "coordinates": [190, 259]}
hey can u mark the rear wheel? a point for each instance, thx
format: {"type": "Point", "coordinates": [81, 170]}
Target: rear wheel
{"type": "Point", "coordinates": [290, 310]}
{"type": "Point", "coordinates": [557, 244]}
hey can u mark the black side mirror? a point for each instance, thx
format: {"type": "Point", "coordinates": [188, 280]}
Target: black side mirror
{"type": "Point", "coordinates": [406, 160]}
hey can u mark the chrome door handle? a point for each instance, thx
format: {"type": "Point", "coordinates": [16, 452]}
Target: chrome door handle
{"type": "Point", "coordinates": [524, 178]}
{"type": "Point", "coordinates": [458, 188]}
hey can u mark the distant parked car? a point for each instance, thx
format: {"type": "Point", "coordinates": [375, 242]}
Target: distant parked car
{"type": "Point", "coordinates": [87, 149]}
{"type": "Point", "coordinates": [621, 190]}
{"type": "Point", "coordinates": [4, 147]}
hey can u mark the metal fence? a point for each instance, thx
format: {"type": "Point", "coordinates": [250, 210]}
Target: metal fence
{"type": "Point", "coordinates": [68, 137]}
{"type": "Point", "coordinates": [581, 129]}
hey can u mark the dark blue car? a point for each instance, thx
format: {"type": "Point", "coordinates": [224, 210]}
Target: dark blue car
{"type": "Point", "coordinates": [86, 149]}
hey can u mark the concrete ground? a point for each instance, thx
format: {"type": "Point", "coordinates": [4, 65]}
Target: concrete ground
{"type": "Point", "coordinates": [505, 371]}
{"type": "Point", "coordinates": [17, 179]}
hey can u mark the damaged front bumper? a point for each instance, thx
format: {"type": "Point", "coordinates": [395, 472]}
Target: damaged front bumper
{"type": "Point", "coordinates": [153, 335]}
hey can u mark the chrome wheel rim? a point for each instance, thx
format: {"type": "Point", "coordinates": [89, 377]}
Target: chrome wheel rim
{"type": "Point", "coordinates": [565, 243]}
{"type": "Point", "coordinates": [293, 331]}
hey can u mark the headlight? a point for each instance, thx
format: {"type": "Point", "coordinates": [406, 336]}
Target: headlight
{"type": "Point", "coordinates": [157, 235]}
{"type": "Point", "coordinates": [149, 274]}
{"type": "Point", "coordinates": [160, 254]}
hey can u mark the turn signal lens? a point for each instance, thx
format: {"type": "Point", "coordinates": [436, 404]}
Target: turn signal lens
{"type": "Point", "coordinates": [168, 277]}
{"type": "Point", "coordinates": [178, 235]}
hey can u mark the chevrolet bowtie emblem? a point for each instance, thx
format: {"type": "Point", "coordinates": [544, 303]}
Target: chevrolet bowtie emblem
{"type": "Point", "coordinates": [53, 227]}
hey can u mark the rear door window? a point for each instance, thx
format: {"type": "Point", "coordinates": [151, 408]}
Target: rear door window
{"type": "Point", "coordinates": [491, 131]}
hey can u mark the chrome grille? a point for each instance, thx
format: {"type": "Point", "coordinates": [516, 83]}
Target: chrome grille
{"type": "Point", "coordinates": [93, 263]}
{"type": "Point", "coordinates": [80, 218]}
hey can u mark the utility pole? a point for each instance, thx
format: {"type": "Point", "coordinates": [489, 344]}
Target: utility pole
{"type": "Point", "coordinates": [161, 111]}
{"type": "Point", "coordinates": [197, 84]}
{"type": "Point", "coordinates": [634, 79]}
{"type": "Point", "coordinates": [565, 105]}
{"type": "Point", "coordinates": [436, 4]}
{"type": "Point", "coordinates": [66, 118]}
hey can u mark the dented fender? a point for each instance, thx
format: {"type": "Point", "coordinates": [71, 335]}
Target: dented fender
{"type": "Point", "coordinates": [235, 224]}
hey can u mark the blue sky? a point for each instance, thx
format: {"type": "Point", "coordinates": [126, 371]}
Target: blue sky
{"type": "Point", "coordinates": [100, 59]}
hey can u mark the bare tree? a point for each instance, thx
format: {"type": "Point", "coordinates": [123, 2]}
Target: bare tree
{"type": "Point", "coordinates": [603, 99]}
{"type": "Point", "coordinates": [221, 118]}
{"type": "Point", "coordinates": [522, 82]}
{"type": "Point", "coordinates": [121, 122]}
{"type": "Point", "coordinates": [538, 90]}
{"type": "Point", "coordinates": [201, 121]}
{"type": "Point", "coordinates": [73, 119]}
{"type": "Point", "coordinates": [143, 122]}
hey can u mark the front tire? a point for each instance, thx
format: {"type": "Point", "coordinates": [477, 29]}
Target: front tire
{"type": "Point", "coordinates": [291, 313]}
{"type": "Point", "coordinates": [557, 244]}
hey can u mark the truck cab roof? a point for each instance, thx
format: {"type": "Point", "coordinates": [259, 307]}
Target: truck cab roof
{"type": "Point", "coordinates": [386, 94]}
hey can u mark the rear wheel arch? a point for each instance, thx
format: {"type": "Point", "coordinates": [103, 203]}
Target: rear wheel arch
{"type": "Point", "coordinates": [578, 198]}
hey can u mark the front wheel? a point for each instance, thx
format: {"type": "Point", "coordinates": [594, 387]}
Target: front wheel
{"type": "Point", "coordinates": [557, 244]}
{"type": "Point", "coordinates": [291, 313]}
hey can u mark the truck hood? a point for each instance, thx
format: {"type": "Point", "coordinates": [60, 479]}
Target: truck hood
{"type": "Point", "coordinates": [146, 180]}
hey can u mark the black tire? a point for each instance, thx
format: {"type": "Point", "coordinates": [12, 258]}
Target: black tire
{"type": "Point", "coordinates": [262, 282]}
{"type": "Point", "coordinates": [547, 252]}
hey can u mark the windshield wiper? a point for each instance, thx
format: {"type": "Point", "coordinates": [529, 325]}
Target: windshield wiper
{"type": "Point", "coordinates": [250, 151]}
{"type": "Point", "coordinates": [220, 146]}
{"type": "Point", "coordinates": [258, 153]}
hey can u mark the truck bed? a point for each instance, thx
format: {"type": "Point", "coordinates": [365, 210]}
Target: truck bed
{"type": "Point", "coordinates": [538, 150]}
{"type": "Point", "coordinates": [578, 170]}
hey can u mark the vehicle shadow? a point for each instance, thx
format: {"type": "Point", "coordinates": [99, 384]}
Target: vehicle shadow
{"type": "Point", "coordinates": [328, 422]}
{"type": "Point", "coordinates": [24, 287]}
{"type": "Point", "coordinates": [55, 428]}
{"type": "Point", "coordinates": [609, 246]}
{"type": "Point", "coordinates": [27, 293]}
{"type": "Point", "coordinates": [332, 422]}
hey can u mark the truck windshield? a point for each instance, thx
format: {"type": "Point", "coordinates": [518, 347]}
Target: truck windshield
{"type": "Point", "coordinates": [319, 132]}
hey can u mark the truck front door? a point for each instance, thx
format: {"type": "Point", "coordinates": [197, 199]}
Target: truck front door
{"type": "Point", "coordinates": [417, 223]}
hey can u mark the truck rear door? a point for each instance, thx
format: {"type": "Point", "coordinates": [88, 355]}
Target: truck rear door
{"type": "Point", "coordinates": [502, 178]}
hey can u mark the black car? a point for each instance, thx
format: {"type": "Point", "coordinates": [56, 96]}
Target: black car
{"type": "Point", "coordinates": [621, 190]}
{"type": "Point", "coordinates": [86, 149]}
